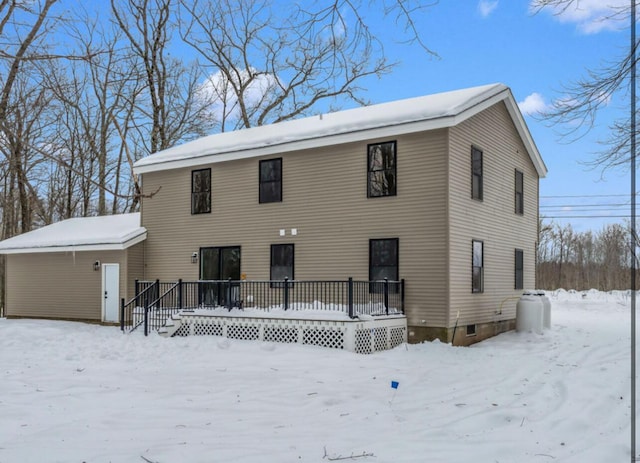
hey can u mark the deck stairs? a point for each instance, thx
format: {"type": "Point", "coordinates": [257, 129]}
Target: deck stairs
{"type": "Point", "coordinates": [172, 324]}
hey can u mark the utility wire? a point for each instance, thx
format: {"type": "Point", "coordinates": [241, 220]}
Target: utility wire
{"type": "Point", "coordinates": [586, 205]}
{"type": "Point", "coordinates": [577, 209]}
{"type": "Point", "coordinates": [590, 196]}
{"type": "Point", "coordinates": [585, 216]}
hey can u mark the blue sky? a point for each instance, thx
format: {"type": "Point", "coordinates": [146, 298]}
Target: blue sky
{"type": "Point", "coordinates": [480, 42]}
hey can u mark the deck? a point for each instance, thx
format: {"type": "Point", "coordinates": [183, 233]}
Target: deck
{"type": "Point", "coordinates": [362, 317]}
{"type": "Point", "coordinates": [361, 335]}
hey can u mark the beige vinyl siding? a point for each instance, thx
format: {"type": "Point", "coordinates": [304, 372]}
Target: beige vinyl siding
{"type": "Point", "coordinates": [134, 269]}
{"type": "Point", "coordinates": [59, 284]}
{"type": "Point", "coordinates": [492, 220]}
{"type": "Point", "coordinates": [325, 199]}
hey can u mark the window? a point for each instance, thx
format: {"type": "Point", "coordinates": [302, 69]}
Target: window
{"type": "Point", "coordinates": [281, 262]}
{"type": "Point", "coordinates": [477, 275]}
{"type": "Point", "coordinates": [519, 269]}
{"type": "Point", "coordinates": [471, 330]}
{"type": "Point", "coordinates": [381, 169]}
{"type": "Point", "coordinates": [383, 263]}
{"type": "Point", "coordinates": [476, 173]}
{"type": "Point", "coordinates": [271, 181]}
{"type": "Point", "coordinates": [519, 192]}
{"type": "Point", "coordinates": [201, 191]}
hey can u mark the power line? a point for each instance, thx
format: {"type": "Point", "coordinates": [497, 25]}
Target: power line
{"type": "Point", "coordinates": [586, 205]}
{"type": "Point", "coordinates": [589, 196]}
{"type": "Point", "coordinates": [577, 209]}
{"type": "Point", "coordinates": [585, 216]}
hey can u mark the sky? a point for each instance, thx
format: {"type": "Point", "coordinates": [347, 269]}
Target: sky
{"type": "Point", "coordinates": [73, 392]}
{"type": "Point", "coordinates": [536, 55]}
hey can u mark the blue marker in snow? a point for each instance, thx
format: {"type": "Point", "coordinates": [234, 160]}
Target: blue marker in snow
{"type": "Point", "coordinates": [394, 386]}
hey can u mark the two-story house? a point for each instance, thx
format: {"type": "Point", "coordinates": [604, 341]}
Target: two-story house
{"type": "Point", "coordinates": [440, 191]}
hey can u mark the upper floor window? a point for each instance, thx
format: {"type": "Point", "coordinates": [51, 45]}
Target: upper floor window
{"type": "Point", "coordinates": [271, 181]}
{"type": "Point", "coordinates": [383, 263]}
{"type": "Point", "coordinates": [519, 269]}
{"type": "Point", "coordinates": [477, 265]}
{"type": "Point", "coordinates": [201, 191]}
{"type": "Point", "coordinates": [476, 173]}
{"type": "Point", "coordinates": [381, 169]}
{"type": "Point", "coordinates": [519, 192]}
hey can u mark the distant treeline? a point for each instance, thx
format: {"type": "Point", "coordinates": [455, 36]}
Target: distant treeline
{"type": "Point", "coordinates": [584, 260]}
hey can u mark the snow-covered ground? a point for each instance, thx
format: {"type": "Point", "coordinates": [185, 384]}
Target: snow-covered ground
{"type": "Point", "coordinates": [71, 392]}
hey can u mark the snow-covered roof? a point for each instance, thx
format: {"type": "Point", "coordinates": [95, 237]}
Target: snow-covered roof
{"type": "Point", "coordinates": [382, 120]}
{"type": "Point", "coordinates": [106, 233]}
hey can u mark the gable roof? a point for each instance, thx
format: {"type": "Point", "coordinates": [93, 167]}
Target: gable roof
{"type": "Point", "coordinates": [106, 233]}
{"type": "Point", "coordinates": [387, 119]}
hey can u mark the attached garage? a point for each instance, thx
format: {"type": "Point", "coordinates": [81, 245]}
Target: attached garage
{"type": "Point", "coordinates": [77, 269]}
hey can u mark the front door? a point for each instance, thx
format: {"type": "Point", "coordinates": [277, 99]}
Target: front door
{"type": "Point", "coordinates": [219, 263]}
{"type": "Point", "coordinates": [110, 292]}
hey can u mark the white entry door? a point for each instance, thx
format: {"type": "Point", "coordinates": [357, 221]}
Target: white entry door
{"type": "Point", "coordinates": [110, 292]}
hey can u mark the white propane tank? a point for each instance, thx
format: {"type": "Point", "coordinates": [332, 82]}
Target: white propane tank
{"type": "Point", "coordinates": [529, 313]}
{"type": "Point", "coordinates": [546, 310]}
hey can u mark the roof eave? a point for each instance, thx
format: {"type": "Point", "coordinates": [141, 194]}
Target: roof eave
{"type": "Point", "coordinates": [117, 246]}
{"type": "Point", "coordinates": [440, 122]}
{"type": "Point", "coordinates": [527, 139]}
{"type": "Point", "coordinates": [300, 145]}
{"type": "Point", "coordinates": [518, 121]}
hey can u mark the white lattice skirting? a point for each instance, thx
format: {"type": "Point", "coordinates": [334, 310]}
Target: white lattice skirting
{"type": "Point", "coordinates": [360, 336]}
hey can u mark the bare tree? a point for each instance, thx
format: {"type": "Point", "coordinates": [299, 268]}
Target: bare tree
{"type": "Point", "coordinates": [169, 85]}
{"type": "Point", "coordinates": [23, 27]}
{"type": "Point", "coordinates": [24, 109]}
{"type": "Point", "coordinates": [577, 109]}
{"type": "Point", "coordinates": [267, 64]}
{"type": "Point", "coordinates": [26, 114]}
{"type": "Point", "coordinates": [96, 91]}
{"type": "Point", "coordinates": [583, 260]}
{"type": "Point", "coordinates": [16, 51]}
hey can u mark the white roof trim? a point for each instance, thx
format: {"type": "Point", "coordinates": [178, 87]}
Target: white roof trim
{"type": "Point", "coordinates": [81, 247]}
{"type": "Point", "coordinates": [377, 121]}
{"type": "Point", "coordinates": [105, 233]}
{"type": "Point", "coordinates": [527, 139]}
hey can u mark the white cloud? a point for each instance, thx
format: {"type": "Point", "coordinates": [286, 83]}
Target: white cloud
{"type": "Point", "coordinates": [591, 16]}
{"type": "Point", "coordinates": [486, 7]}
{"type": "Point", "coordinates": [533, 104]}
{"type": "Point", "coordinates": [222, 101]}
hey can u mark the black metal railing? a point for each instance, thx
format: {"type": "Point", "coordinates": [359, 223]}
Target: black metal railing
{"type": "Point", "coordinates": [156, 301]}
{"type": "Point", "coordinates": [131, 313]}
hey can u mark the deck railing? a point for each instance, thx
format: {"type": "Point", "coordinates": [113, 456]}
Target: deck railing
{"type": "Point", "coordinates": [156, 301]}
